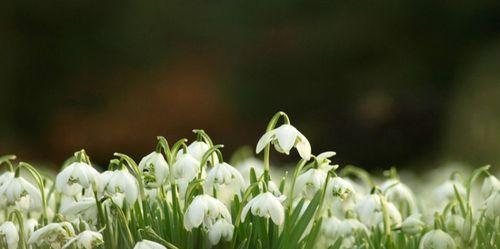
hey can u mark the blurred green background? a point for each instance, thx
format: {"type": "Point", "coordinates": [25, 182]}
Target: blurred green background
{"type": "Point", "coordinates": [382, 83]}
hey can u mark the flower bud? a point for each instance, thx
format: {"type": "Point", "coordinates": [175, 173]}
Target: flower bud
{"type": "Point", "coordinates": [413, 224]}
{"type": "Point", "coordinates": [148, 244]}
{"type": "Point", "coordinates": [9, 235]}
{"type": "Point", "coordinates": [437, 239]}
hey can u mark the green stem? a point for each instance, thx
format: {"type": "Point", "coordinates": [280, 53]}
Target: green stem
{"type": "Point", "coordinates": [39, 180]}
{"type": "Point", "coordinates": [20, 221]}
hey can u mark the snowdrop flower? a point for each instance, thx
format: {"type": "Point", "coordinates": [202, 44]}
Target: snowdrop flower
{"type": "Point", "coordinates": [29, 227]}
{"type": "Point", "coordinates": [284, 138]}
{"type": "Point", "coordinates": [76, 177]}
{"type": "Point", "coordinates": [205, 209]}
{"type": "Point", "coordinates": [6, 176]}
{"type": "Point", "coordinates": [186, 167]}
{"type": "Point", "coordinates": [437, 239]}
{"type": "Point", "coordinates": [490, 185]}
{"type": "Point", "coordinates": [53, 235]}
{"type": "Point", "coordinates": [85, 208]}
{"type": "Point", "coordinates": [370, 211]}
{"type": "Point", "coordinates": [223, 174]}
{"type": "Point", "coordinates": [333, 228]}
{"type": "Point", "coordinates": [221, 229]}
{"type": "Point", "coordinates": [265, 205]}
{"type": "Point", "coordinates": [248, 164]}
{"type": "Point", "coordinates": [9, 235]}
{"type": "Point", "coordinates": [120, 181]}
{"type": "Point", "coordinates": [455, 223]}
{"type": "Point", "coordinates": [20, 192]}
{"type": "Point", "coordinates": [310, 182]}
{"type": "Point", "coordinates": [154, 168]}
{"type": "Point", "coordinates": [85, 240]}
{"type": "Point", "coordinates": [148, 244]}
{"type": "Point", "coordinates": [338, 187]}
{"type": "Point", "coordinates": [330, 227]}
{"type": "Point", "coordinates": [445, 192]}
{"type": "Point", "coordinates": [492, 205]}
{"type": "Point", "coordinates": [413, 224]}
{"type": "Point", "coordinates": [324, 162]}
{"type": "Point", "coordinates": [397, 192]}
{"type": "Point", "coordinates": [198, 148]}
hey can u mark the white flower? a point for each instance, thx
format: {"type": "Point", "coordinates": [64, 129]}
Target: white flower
{"type": "Point", "coordinates": [53, 235]}
{"type": "Point", "coordinates": [220, 229]}
{"type": "Point", "coordinates": [85, 208]}
{"type": "Point", "coordinates": [186, 167]}
{"type": "Point", "coordinates": [333, 228]}
{"type": "Point", "coordinates": [29, 227]}
{"type": "Point", "coordinates": [148, 244]}
{"type": "Point", "coordinates": [330, 227]}
{"type": "Point", "coordinates": [370, 211]}
{"type": "Point", "coordinates": [6, 176]}
{"type": "Point", "coordinates": [455, 224]}
{"type": "Point", "coordinates": [308, 183]}
{"type": "Point", "coordinates": [9, 235]}
{"type": "Point", "coordinates": [437, 239]}
{"type": "Point", "coordinates": [265, 205]}
{"type": "Point", "coordinates": [120, 181]}
{"type": "Point", "coordinates": [18, 191]}
{"type": "Point", "coordinates": [198, 148]}
{"type": "Point", "coordinates": [223, 174]}
{"type": "Point", "coordinates": [77, 176]}
{"type": "Point", "coordinates": [205, 209]}
{"type": "Point", "coordinates": [445, 192]}
{"type": "Point", "coordinates": [85, 240]}
{"type": "Point", "coordinates": [492, 205]}
{"type": "Point", "coordinates": [284, 138]}
{"type": "Point", "coordinates": [490, 185]}
{"type": "Point", "coordinates": [154, 168]}
{"type": "Point", "coordinates": [338, 187]}
{"type": "Point", "coordinates": [250, 163]}
{"type": "Point", "coordinates": [324, 162]}
{"type": "Point", "coordinates": [413, 224]}
{"type": "Point", "coordinates": [397, 192]}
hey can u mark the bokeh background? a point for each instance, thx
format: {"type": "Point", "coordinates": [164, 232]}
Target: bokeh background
{"type": "Point", "coordinates": [383, 83]}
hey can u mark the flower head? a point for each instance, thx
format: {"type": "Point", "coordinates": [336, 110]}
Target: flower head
{"type": "Point", "coordinates": [53, 235]}
{"type": "Point", "coordinates": [265, 205]}
{"type": "Point", "coordinates": [413, 224]}
{"type": "Point", "coordinates": [221, 229]}
{"type": "Point", "coordinates": [148, 244]}
{"type": "Point", "coordinates": [198, 148]}
{"type": "Point", "coordinates": [397, 192]}
{"type": "Point", "coordinates": [77, 176]}
{"type": "Point", "coordinates": [154, 169]}
{"type": "Point", "coordinates": [9, 235]}
{"type": "Point", "coordinates": [223, 174]}
{"type": "Point", "coordinates": [310, 182]}
{"type": "Point", "coordinates": [284, 138]}
{"type": "Point", "coordinates": [371, 211]}
{"type": "Point", "coordinates": [186, 167]}
{"type": "Point", "coordinates": [18, 191]}
{"type": "Point", "coordinates": [120, 181]}
{"type": "Point", "coordinates": [490, 185]}
{"type": "Point", "coordinates": [206, 210]}
{"type": "Point", "coordinates": [339, 187]}
{"type": "Point", "coordinates": [85, 208]}
{"type": "Point", "coordinates": [437, 239]}
{"type": "Point", "coordinates": [85, 240]}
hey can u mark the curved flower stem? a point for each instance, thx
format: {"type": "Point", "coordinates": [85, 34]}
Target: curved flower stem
{"type": "Point", "coordinates": [270, 126]}
{"type": "Point", "coordinates": [209, 153]}
{"type": "Point", "coordinates": [138, 173]}
{"type": "Point", "coordinates": [361, 173]}
{"type": "Point", "coordinates": [203, 135]}
{"type": "Point", "coordinates": [296, 173]}
{"type": "Point", "coordinates": [20, 221]}
{"type": "Point", "coordinates": [7, 159]}
{"type": "Point", "coordinates": [323, 195]}
{"type": "Point", "coordinates": [39, 180]}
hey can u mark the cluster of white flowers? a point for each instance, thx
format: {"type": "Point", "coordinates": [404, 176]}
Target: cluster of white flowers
{"type": "Point", "coordinates": [186, 196]}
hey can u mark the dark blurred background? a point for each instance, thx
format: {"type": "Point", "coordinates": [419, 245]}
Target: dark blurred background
{"type": "Point", "coordinates": [383, 83]}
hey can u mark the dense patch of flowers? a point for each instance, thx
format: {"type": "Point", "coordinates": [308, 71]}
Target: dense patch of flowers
{"type": "Point", "coordinates": [187, 196]}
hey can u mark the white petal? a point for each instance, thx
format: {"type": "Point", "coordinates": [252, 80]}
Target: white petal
{"type": "Point", "coordinates": [286, 136]}
{"type": "Point", "coordinates": [264, 140]}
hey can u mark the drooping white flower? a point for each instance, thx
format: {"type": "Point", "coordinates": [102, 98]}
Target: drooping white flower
{"type": "Point", "coordinates": [221, 229]}
{"type": "Point", "coordinates": [333, 228]}
{"type": "Point", "coordinates": [154, 169]}
{"type": "Point", "coordinates": [265, 205]}
{"type": "Point", "coordinates": [490, 185]}
{"type": "Point", "coordinates": [120, 181]}
{"type": "Point", "coordinates": [186, 167]}
{"type": "Point", "coordinates": [85, 240]}
{"type": "Point", "coordinates": [413, 224]}
{"type": "Point", "coordinates": [53, 235]}
{"type": "Point", "coordinates": [148, 244]}
{"type": "Point", "coordinates": [85, 208]}
{"type": "Point", "coordinates": [9, 235]}
{"type": "Point", "coordinates": [437, 239]}
{"type": "Point", "coordinates": [17, 191]}
{"type": "Point", "coordinates": [400, 194]}
{"type": "Point", "coordinates": [445, 192]}
{"type": "Point", "coordinates": [455, 224]}
{"type": "Point", "coordinates": [284, 138]}
{"type": "Point", "coordinates": [338, 187]}
{"type": "Point", "coordinates": [76, 177]}
{"type": "Point", "coordinates": [6, 176]}
{"type": "Point", "coordinates": [222, 175]}
{"type": "Point", "coordinates": [308, 183]}
{"type": "Point", "coordinates": [492, 205]}
{"type": "Point", "coordinates": [198, 148]}
{"type": "Point", "coordinates": [205, 209]}
{"type": "Point", "coordinates": [370, 211]}
{"type": "Point", "coordinates": [324, 161]}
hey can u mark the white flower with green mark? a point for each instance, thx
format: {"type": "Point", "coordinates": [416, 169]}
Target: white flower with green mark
{"type": "Point", "coordinates": [371, 211]}
{"type": "Point", "coordinates": [155, 169]}
{"type": "Point", "coordinates": [206, 210]}
{"type": "Point", "coordinates": [76, 177]}
{"type": "Point", "coordinates": [324, 161]}
{"type": "Point", "coordinates": [400, 194]}
{"type": "Point", "coordinates": [9, 235]}
{"type": "Point", "coordinates": [186, 167]}
{"type": "Point", "coordinates": [198, 148]}
{"type": "Point", "coordinates": [84, 208]}
{"type": "Point", "coordinates": [341, 188]}
{"type": "Point", "coordinates": [18, 191]}
{"type": "Point", "coordinates": [53, 235]}
{"type": "Point", "coordinates": [413, 224]}
{"type": "Point", "coordinates": [120, 181]}
{"type": "Point", "coordinates": [85, 240]}
{"type": "Point", "coordinates": [310, 182]}
{"type": "Point", "coordinates": [148, 244]}
{"type": "Point", "coordinates": [265, 205]}
{"type": "Point", "coordinates": [284, 139]}
{"type": "Point", "coordinates": [223, 174]}
{"type": "Point", "coordinates": [437, 239]}
{"type": "Point", "coordinates": [221, 229]}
